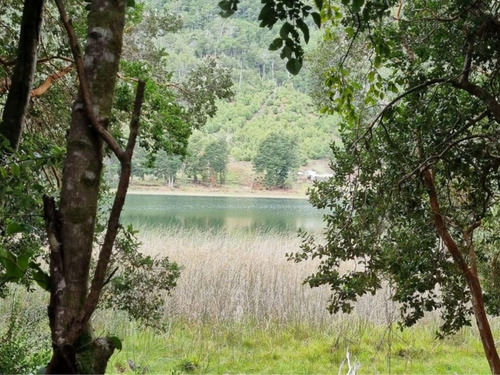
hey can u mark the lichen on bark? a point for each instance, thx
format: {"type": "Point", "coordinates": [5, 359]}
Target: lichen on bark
{"type": "Point", "coordinates": [80, 185]}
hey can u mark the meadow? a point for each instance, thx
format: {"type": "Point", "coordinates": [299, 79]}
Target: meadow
{"type": "Point", "coordinates": [241, 307]}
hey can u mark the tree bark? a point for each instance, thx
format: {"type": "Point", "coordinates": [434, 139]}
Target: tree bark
{"type": "Point", "coordinates": [80, 185]}
{"type": "Point", "coordinates": [14, 114]}
{"type": "Point", "coordinates": [471, 277]}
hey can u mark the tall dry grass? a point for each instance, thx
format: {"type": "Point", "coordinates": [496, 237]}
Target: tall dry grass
{"type": "Point", "coordinates": [235, 276]}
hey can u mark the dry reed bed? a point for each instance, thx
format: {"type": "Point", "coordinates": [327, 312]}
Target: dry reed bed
{"type": "Point", "coordinates": [237, 276]}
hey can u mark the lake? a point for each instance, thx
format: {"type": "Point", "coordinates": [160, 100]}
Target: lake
{"type": "Point", "coordinates": [221, 213]}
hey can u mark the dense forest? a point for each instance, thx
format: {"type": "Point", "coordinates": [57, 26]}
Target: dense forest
{"type": "Point", "coordinates": [267, 99]}
{"type": "Point", "coordinates": [401, 97]}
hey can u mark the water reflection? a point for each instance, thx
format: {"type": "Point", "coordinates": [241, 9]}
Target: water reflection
{"type": "Point", "coordinates": [221, 213]}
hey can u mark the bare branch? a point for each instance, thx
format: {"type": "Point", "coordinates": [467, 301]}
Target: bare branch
{"type": "Point", "coordinates": [39, 61]}
{"type": "Point", "coordinates": [134, 122]}
{"type": "Point", "coordinates": [108, 279]}
{"type": "Point", "coordinates": [175, 85]}
{"type": "Point", "coordinates": [5, 85]}
{"type": "Point", "coordinates": [398, 11]}
{"type": "Point", "coordinates": [45, 86]}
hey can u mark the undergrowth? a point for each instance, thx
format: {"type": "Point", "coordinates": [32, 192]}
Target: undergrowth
{"type": "Point", "coordinates": [240, 307]}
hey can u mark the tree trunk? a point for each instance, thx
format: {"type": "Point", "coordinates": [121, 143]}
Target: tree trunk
{"type": "Point", "coordinates": [14, 113]}
{"type": "Point", "coordinates": [212, 177]}
{"type": "Point", "coordinates": [470, 276]}
{"type": "Point", "coordinates": [80, 191]}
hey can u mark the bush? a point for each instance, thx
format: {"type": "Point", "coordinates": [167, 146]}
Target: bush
{"type": "Point", "coordinates": [23, 349]}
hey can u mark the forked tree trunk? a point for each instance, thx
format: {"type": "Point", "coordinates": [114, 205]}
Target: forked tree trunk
{"type": "Point", "coordinates": [79, 195]}
{"type": "Point", "coordinates": [16, 106]}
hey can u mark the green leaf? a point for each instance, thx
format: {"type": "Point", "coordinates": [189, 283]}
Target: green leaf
{"type": "Point", "coordinates": [276, 44]}
{"type": "Point", "coordinates": [356, 5]}
{"type": "Point", "coordinates": [316, 18]}
{"type": "Point", "coordinates": [116, 342]}
{"type": "Point", "coordinates": [319, 4]}
{"type": "Point", "coordinates": [15, 169]}
{"type": "Point", "coordinates": [227, 13]}
{"type": "Point", "coordinates": [294, 66]}
{"type": "Point", "coordinates": [12, 270]}
{"type": "Point", "coordinates": [23, 261]}
{"type": "Point", "coordinates": [285, 30]}
{"type": "Point", "coordinates": [131, 3]}
{"type": "Point", "coordinates": [13, 228]}
{"type": "Point", "coordinates": [40, 277]}
{"type": "Point", "coordinates": [225, 5]}
{"type": "Point", "coordinates": [305, 30]}
{"type": "Point", "coordinates": [286, 53]}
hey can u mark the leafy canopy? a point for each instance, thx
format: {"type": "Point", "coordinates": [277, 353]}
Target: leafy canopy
{"type": "Point", "coordinates": [277, 156]}
{"type": "Point", "coordinates": [417, 86]}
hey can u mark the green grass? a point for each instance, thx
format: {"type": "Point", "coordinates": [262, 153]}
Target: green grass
{"type": "Point", "coordinates": [249, 347]}
{"type": "Point", "coordinates": [240, 307]}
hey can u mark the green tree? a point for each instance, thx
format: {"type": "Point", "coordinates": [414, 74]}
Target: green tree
{"type": "Point", "coordinates": [415, 191]}
{"type": "Point", "coordinates": [167, 166]}
{"type": "Point", "coordinates": [216, 154]}
{"type": "Point", "coordinates": [196, 163]}
{"type": "Point", "coordinates": [277, 157]}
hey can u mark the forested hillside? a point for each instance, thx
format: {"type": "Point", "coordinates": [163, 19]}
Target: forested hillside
{"type": "Point", "coordinates": [266, 98]}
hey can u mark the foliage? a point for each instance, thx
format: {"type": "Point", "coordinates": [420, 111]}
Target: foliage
{"type": "Point", "coordinates": [207, 159]}
{"type": "Point", "coordinates": [196, 163]}
{"type": "Point", "coordinates": [167, 165]}
{"type": "Point", "coordinates": [294, 15]}
{"type": "Point", "coordinates": [277, 156]}
{"type": "Point", "coordinates": [203, 86]}
{"type": "Point", "coordinates": [216, 154]}
{"type": "Point", "coordinates": [138, 282]}
{"type": "Point", "coordinates": [34, 171]}
{"type": "Point", "coordinates": [420, 130]}
{"type": "Point", "coordinates": [22, 350]}
{"type": "Point", "coordinates": [25, 175]}
{"type": "Point", "coordinates": [266, 98]}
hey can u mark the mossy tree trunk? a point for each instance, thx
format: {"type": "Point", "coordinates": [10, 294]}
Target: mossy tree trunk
{"type": "Point", "coordinates": [73, 225]}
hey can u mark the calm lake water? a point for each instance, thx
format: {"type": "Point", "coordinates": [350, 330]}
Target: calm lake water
{"type": "Point", "coordinates": [221, 213]}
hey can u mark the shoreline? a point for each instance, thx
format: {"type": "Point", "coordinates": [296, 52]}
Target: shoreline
{"type": "Point", "coordinates": [142, 190]}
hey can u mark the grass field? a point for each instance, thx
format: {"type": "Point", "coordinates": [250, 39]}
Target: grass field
{"type": "Point", "coordinates": [240, 307]}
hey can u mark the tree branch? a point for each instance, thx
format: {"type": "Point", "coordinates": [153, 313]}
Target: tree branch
{"type": "Point", "coordinates": [5, 84]}
{"type": "Point", "coordinates": [171, 84]}
{"type": "Point", "coordinates": [99, 281]}
{"type": "Point", "coordinates": [394, 101]}
{"type": "Point", "coordinates": [85, 90]}
{"type": "Point", "coordinates": [468, 273]}
{"type": "Point", "coordinates": [398, 11]}
{"type": "Point", "coordinates": [45, 86]}
{"type": "Point", "coordinates": [57, 282]}
{"type": "Point", "coordinates": [39, 61]}
{"type": "Point", "coordinates": [481, 94]}
{"type": "Point", "coordinates": [436, 157]}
